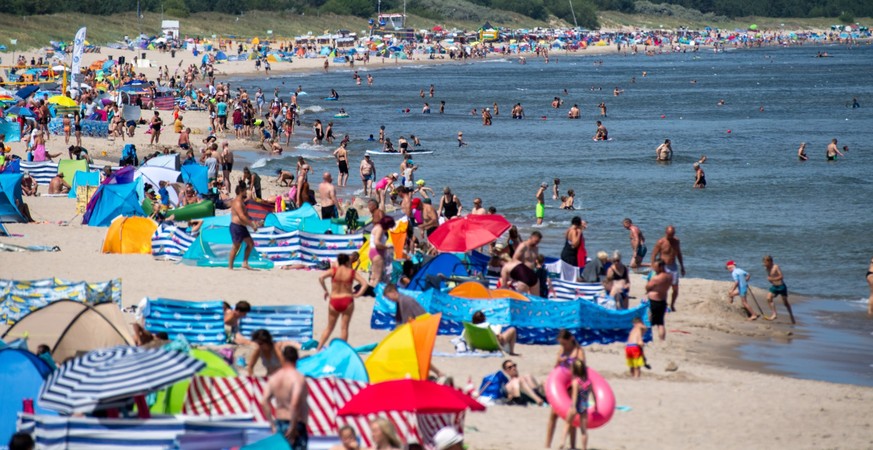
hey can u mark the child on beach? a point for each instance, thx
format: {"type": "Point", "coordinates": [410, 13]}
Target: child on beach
{"type": "Point", "coordinates": [633, 351]}
{"type": "Point", "coordinates": [740, 287]}
{"type": "Point", "coordinates": [580, 388]}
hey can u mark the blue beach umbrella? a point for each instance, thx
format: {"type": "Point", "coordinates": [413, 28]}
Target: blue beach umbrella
{"type": "Point", "coordinates": [20, 111]}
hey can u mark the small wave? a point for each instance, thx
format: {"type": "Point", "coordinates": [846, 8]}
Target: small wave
{"type": "Point", "coordinates": [261, 163]}
{"type": "Point", "coordinates": [313, 109]}
{"type": "Point", "coordinates": [308, 146]}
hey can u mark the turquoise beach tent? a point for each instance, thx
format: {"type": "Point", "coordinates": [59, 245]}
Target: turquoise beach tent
{"type": "Point", "coordinates": [212, 249]}
{"type": "Point", "coordinates": [339, 360]}
{"type": "Point", "coordinates": [84, 179]}
{"type": "Point", "coordinates": [197, 175]}
{"type": "Point", "coordinates": [21, 375]}
{"type": "Point", "coordinates": [10, 195]}
{"type": "Point", "coordinates": [116, 200]}
{"type": "Point", "coordinates": [304, 218]}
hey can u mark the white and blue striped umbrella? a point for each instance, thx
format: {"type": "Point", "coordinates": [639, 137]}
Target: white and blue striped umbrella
{"type": "Point", "coordinates": [110, 378]}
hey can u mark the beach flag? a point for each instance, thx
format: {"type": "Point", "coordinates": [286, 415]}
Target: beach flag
{"type": "Point", "coordinates": [78, 48]}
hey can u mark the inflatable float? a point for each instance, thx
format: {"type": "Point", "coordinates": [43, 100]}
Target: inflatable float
{"type": "Point", "coordinates": [341, 116]}
{"type": "Point", "coordinates": [194, 211]}
{"type": "Point", "coordinates": [331, 99]}
{"type": "Point", "coordinates": [558, 394]}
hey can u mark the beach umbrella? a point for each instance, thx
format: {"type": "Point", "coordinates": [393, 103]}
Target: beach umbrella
{"type": "Point", "coordinates": [418, 396]}
{"type": "Point", "coordinates": [26, 91]}
{"type": "Point", "coordinates": [62, 100]}
{"type": "Point", "coordinates": [109, 378]}
{"type": "Point", "coordinates": [462, 234]}
{"type": "Point", "coordinates": [20, 111]}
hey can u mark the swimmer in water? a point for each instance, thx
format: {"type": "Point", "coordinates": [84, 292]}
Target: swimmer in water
{"type": "Point", "coordinates": [602, 134]}
{"type": "Point", "coordinates": [721, 102]}
{"type": "Point", "coordinates": [664, 152]}
{"type": "Point", "coordinates": [602, 107]}
{"type": "Point", "coordinates": [574, 112]}
{"type": "Point", "coordinates": [461, 142]}
{"type": "Point", "coordinates": [801, 152]}
{"type": "Point", "coordinates": [833, 151]}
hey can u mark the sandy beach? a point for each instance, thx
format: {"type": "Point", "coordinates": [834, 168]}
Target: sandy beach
{"type": "Point", "coordinates": [714, 400]}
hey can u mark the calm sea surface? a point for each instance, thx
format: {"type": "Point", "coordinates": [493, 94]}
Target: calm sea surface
{"type": "Point", "coordinates": [814, 217]}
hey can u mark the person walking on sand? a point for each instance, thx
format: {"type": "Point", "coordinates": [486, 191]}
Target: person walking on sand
{"type": "Point", "coordinates": [569, 353]}
{"type": "Point", "coordinates": [541, 202]}
{"type": "Point", "coordinates": [777, 288]}
{"type": "Point", "coordinates": [668, 250]}
{"type": "Point", "coordinates": [656, 293]}
{"type": "Point", "coordinates": [288, 388]}
{"type": "Point", "coordinates": [239, 234]}
{"type": "Point", "coordinates": [633, 350]}
{"type": "Point", "coordinates": [580, 390]}
{"type": "Point", "coordinates": [740, 287]}
{"type": "Point", "coordinates": [638, 243]}
{"type": "Point", "coordinates": [342, 277]}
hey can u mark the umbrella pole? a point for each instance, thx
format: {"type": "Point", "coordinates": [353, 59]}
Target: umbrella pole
{"type": "Point", "coordinates": [142, 408]}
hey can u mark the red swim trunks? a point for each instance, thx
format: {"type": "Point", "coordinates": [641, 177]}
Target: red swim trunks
{"type": "Point", "coordinates": [341, 304]}
{"type": "Point", "coordinates": [634, 355]}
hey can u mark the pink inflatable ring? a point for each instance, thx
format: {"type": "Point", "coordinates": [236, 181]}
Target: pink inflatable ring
{"type": "Point", "coordinates": [557, 393]}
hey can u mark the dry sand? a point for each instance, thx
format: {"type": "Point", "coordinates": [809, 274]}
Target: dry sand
{"type": "Point", "coordinates": [713, 401]}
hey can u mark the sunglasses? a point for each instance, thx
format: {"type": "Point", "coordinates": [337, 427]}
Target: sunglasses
{"type": "Point", "coordinates": [511, 366]}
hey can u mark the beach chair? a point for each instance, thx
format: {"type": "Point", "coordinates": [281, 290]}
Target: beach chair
{"type": "Point", "coordinates": [481, 338]}
{"type": "Point", "coordinates": [201, 323]}
{"type": "Point", "coordinates": [285, 323]}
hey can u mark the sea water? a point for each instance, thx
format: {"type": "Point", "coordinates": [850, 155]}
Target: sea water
{"type": "Point", "coordinates": [815, 217]}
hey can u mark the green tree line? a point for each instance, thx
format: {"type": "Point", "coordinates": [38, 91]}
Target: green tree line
{"type": "Point", "coordinates": [584, 10]}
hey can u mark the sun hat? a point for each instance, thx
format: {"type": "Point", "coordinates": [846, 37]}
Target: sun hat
{"type": "Point", "coordinates": [447, 437]}
{"type": "Point", "coordinates": [730, 263]}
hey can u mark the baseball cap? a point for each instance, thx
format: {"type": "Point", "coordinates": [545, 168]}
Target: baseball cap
{"type": "Point", "coordinates": [730, 263]}
{"type": "Point", "coordinates": [447, 437]}
{"type": "Point", "coordinates": [544, 184]}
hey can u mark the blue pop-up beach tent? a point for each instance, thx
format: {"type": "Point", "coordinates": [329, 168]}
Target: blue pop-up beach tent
{"type": "Point", "coordinates": [84, 179]}
{"type": "Point", "coordinates": [212, 249]}
{"type": "Point", "coordinates": [10, 195]}
{"type": "Point", "coordinates": [197, 175]}
{"type": "Point", "coordinates": [114, 200]}
{"type": "Point", "coordinates": [339, 359]}
{"type": "Point", "coordinates": [21, 375]}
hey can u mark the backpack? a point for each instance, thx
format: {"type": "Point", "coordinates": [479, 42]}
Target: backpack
{"type": "Point", "coordinates": [351, 219]}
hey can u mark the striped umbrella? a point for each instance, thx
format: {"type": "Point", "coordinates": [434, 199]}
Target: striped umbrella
{"type": "Point", "coordinates": [110, 378]}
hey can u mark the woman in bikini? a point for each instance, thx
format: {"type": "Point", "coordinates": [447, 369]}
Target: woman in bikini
{"type": "Point", "coordinates": [378, 249]}
{"type": "Point", "coordinates": [570, 352]}
{"type": "Point", "coordinates": [342, 277]}
{"type": "Point", "coordinates": [269, 352]}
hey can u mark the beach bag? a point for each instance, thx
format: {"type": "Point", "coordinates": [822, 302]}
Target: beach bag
{"type": "Point", "coordinates": [493, 385]}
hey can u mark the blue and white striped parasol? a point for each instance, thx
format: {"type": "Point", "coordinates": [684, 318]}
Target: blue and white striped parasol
{"type": "Point", "coordinates": [110, 378]}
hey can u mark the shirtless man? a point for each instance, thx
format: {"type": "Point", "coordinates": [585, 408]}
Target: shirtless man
{"type": "Point", "coordinates": [58, 185]}
{"type": "Point", "coordinates": [574, 112]}
{"type": "Point", "coordinates": [478, 210]}
{"type": "Point", "coordinates": [777, 288]}
{"type": "Point", "coordinates": [541, 202]}
{"type": "Point", "coordinates": [430, 220]}
{"type": "Point", "coordinates": [638, 243]}
{"type": "Point", "coordinates": [664, 152]}
{"type": "Point", "coordinates": [239, 234]}
{"type": "Point", "coordinates": [368, 173]}
{"type": "Point", "coordinates": [330, 207]}
{"type": "Point", "coordinates": [656, 292]}
{"type": "Point", "coordinates": [602, 134]}
{"type": "Point", "coordinates": [667, 250]}
{"type": "Point", "coordinates": [527, 253]}
{"type": "Point", "coordinates": [288, 388]}
{"type": "Point", "coordinates": [833, 150]}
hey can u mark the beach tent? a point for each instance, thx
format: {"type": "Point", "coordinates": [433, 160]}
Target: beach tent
{"type": "Point", "coordinates": [303, 218]}
{"type": "Point", "coordinates": [130, 235]}
{"type": "Point", "coordinates": [10, 196]}
{"type": "Point", "coordinates": [405, 352]}
{"type": "Point", "coordinates": [171, 399]}
{"type": "Point", "coordinates": [84, 179]}
{"type": "Point", "coordinates": [170, 161]}
{"type": "Point", "coordinates": [197, 175]}
{"type": "Point", "coordinates": [212, 249]}
{"type": "Point", "coordinates": [221, 56]}
{"type": "Point", "coordinates": [113, 200]}
{"type": "Point", "coordinates": [339, 359]}
{"type": "Point", "coordinates": [446, 264]}
{"type": "Point", "coordinates": [21, 375]}
{"type": "Point", "coordinates": [154, 175]}
{"type": "Point", "coordinates": [69, 327]}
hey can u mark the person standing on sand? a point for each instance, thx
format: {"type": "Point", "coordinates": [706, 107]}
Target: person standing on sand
{"type": "Point", "coordinates": [541, 202]}
{"type": "Point", "coordinates": [667, 250]}
{"type": "Point", "coordinates": [740, 287]}
{"type": "Point", "coordinates": [777, 288]}
{"type": "Point", "coordinates": [239, 234]}
{"type": "Point", "coordinates": [569, 353]}
{"type": "Point", "coordinates": [638, 243]}
{"type": "Point", "coordinates": [342, 278]}
{"type": "Point", "coordinates": [330, 207]}
{"type": "Point", "coordinates": [656, 293]}
{"type": "Point", "coordinates": [368, 173]}
{"type": "Point", "coordinates": [633, 350]}
{"type": "Point", "coordinates": [288, 388]}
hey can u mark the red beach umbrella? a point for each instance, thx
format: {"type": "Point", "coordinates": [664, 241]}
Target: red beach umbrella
{"type": "Point", "coordinates": [416, 396]}
{"type": "Point", "coordinates": [462, 234]}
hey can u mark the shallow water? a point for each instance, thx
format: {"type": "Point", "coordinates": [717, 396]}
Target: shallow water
{"type": "Point", "coordinates": [813, 217]}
